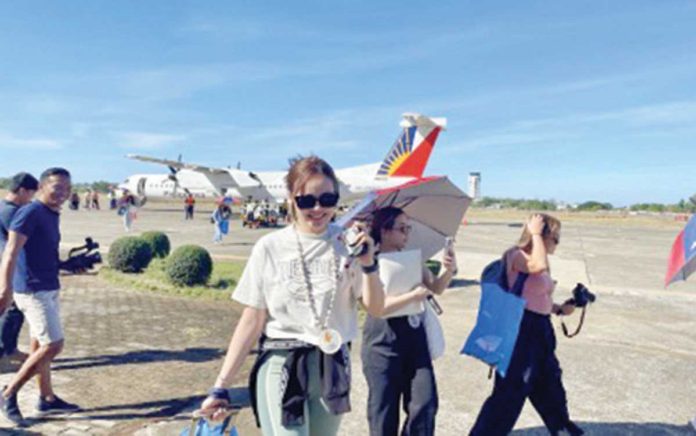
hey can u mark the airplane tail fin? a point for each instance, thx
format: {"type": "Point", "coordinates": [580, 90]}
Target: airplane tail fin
{"type": "Point", "coordinates": [409, 155]}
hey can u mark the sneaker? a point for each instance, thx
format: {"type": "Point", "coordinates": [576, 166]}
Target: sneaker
{"type": "Point", "coordinates": [10, 409]}
{"type": "Point", "coordinates": [58, 405]}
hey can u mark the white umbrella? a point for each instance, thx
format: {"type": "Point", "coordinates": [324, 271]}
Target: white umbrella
{"type": "Point", "coordinates": [435, 205]}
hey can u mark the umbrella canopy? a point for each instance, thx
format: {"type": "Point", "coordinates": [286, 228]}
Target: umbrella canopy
{"type": "Point", "coordinates": [434, 204]}
{"type": "Point", "coordinates": [226, 200]}
{"type": "Point", "coordinates": [682, 259]}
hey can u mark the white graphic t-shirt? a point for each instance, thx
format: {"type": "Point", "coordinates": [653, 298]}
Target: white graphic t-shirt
{"type": "Point", "coordinates": [273, 280]}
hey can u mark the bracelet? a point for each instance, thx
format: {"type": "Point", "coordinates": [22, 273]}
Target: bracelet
{"type": "Point", "coordinates": [370, 269]}
{"type": "Point", "coordinates": [219, 394]}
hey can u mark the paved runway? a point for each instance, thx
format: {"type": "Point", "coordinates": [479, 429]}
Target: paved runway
{"type": "Point", "coordinates": [135, 359]}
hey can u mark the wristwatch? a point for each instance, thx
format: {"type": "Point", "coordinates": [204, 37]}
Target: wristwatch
{"type": "Point", "coordinates": [219, 394]}
{"type": "Point", "coordinates": [370, 269]}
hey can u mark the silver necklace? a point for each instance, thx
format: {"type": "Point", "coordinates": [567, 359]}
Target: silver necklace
{"type": "Point", "coordinates": [329, 340]}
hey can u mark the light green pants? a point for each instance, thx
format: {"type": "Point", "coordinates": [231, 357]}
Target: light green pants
{"type": "Point", "coordinates": [318, 420]}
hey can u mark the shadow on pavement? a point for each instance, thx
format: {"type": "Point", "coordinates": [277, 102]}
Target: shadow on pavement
{"type": "Point", "coordinates": [618, 429]}
{"type": "Point", "coordinates": [17, 431]}
{"type": "Point", "coordinates": [495, 223]}
{"type": "Point", "coordinates": [160, 409]}
{"type": "Point", "coordinates": [459, 283]}
{"type": "Point", "coordinates": [192, 355]}
{"type": "Point", "coordinates": [151, 409]}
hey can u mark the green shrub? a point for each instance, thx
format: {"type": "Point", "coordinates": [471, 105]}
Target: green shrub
{"type": "Point", "coordinates": [159, 243]}
{"type": "Point", "coordinates": [189, 265]}
{"type": "Point", "coordinates": [129, 254]}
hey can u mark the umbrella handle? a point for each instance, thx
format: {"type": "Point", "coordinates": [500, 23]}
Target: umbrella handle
{"type": "Point", "coordinates": [434, 304]}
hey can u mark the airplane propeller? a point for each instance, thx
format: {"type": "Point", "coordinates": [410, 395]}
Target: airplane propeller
{"type": "Point", "coordinates": [173, 177]}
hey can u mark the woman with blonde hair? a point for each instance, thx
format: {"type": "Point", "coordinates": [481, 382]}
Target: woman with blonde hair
{"type": "Point", "coordinates": [534, 371]}
{"type": "Point", "coordinates": [301, 291]}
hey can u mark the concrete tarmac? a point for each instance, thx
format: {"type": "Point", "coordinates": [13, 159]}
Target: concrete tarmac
{"type": "Point", "coordinates": [139, 362]}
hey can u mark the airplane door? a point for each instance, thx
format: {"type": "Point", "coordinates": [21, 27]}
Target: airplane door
{"type": "Point", "coordinates": [141, 186]}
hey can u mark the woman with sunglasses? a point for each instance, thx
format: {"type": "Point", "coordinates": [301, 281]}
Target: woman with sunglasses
{"type": "Point", "coordinates": [301, 291]}
{"type": "Point", "coordinates": [534, 371]}
{"type": "Point", "coordinates": [395, 356]}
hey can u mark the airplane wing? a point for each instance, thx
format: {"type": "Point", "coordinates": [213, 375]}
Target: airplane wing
{"type": "Point", "coordinates": [178, 164]}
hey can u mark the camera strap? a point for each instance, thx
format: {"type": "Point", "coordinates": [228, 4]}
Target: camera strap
{"type": "Point", "coordinates": [577, 330]}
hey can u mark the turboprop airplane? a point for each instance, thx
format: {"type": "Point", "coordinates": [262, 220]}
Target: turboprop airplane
{"type": "Point", "coordinates": [405, 161]}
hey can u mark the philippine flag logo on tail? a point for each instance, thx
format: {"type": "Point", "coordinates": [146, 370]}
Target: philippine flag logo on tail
{"type": "Point", "coordinates": [682, 259]}
{"type": "Point", "coordinates": [409, 155]}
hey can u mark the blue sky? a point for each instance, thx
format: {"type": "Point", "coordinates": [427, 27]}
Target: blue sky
{"type": "Point", "coordinates": [564, 100]}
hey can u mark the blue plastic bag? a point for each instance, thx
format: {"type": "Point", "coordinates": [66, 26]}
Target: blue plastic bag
{"type": "Point", "coordinates": [497, 325]}
{"type": "Point", "coordinates": [224, 227]}
{"type": "Point", "coordinates": [204, 428]}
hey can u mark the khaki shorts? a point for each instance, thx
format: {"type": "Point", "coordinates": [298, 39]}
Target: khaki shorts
{"type": "Point", "coordinates": [42, 312]}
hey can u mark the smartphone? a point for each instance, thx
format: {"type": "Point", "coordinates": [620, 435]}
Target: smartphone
{"type": "Point", "coordinates": [449, 245]}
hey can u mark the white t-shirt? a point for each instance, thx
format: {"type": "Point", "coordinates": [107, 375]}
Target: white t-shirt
{"type": "Point", "coordinates": [273, 280]}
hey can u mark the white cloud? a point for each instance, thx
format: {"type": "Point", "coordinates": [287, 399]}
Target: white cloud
{"type": "Point", "coordinates": [11, 142]}
{"type": "Point", "coordinates": [650, 120]}
{"type": "Point", "coordinates": [147, 140]}
{"type": "Point", "coordinates": [226, 30]}
{"type": "Point", "coordinates": [665, 114]}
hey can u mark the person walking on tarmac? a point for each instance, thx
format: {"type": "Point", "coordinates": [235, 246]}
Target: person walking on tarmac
{"type": "Point", "coordinates": [127, 209]}
{"type": "Point", "coordinates": [22, 189]}
{"type": "Point", "coordinates": [395, 356]}
{"type": "Point", "coordinates": [36, 229]}
{"type": "Point", "coordinates": [534, 370]}
{"type": "Point", "coordinates": [301, 291]}
{"type": "Point", "coordinates": [189, 204]}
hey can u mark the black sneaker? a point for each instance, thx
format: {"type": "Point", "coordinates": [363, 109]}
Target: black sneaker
{"type": "Point", "coordinates": [58, 405]}
{"type": "Point", "coordinates": [10, 409]}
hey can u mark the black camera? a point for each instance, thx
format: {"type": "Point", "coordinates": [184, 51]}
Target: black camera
{"type": "Point", "coordinates": [82, 258]}
{"type": "Point", "coordinates": [581, 296]}
{"type": "Point", "coordinates": [350, 237]}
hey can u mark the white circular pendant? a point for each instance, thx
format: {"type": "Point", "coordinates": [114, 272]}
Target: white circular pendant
{"type": "Point", "coordinates": [414, 321]}
{"type": "Point", "coordinates": [330, 341]}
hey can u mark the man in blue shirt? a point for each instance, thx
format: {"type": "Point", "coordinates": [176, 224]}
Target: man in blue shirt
{"type": "Point", "coordinates": [22, 189]}
{"type": "Point", "coordinates": [35, 228]}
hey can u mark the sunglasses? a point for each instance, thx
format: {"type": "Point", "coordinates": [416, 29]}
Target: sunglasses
{"type": "Point", "coordinates": [327, 199]}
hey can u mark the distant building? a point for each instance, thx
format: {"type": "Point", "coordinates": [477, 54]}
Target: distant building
{"type": "Point", "coordinates": [475, 186]}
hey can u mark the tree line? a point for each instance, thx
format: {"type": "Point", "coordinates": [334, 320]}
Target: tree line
{"type": "Point", "coordinates": [682, 206]}
{"type": "Point", "coordinates": [100, 185]}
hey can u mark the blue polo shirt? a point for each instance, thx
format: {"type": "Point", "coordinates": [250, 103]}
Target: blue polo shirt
{"type": "Point", "coordinates": [40, 225]}
{"type": "Point", "coordinates": [7, 211]}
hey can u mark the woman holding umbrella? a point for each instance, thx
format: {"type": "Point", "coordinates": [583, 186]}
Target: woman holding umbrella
{"type": "Point", "coordinates": [300, 290]}
{"type": "Point", "coordinates": [396, 361]}
{"type": "Point", "coordinates": [534, 370]}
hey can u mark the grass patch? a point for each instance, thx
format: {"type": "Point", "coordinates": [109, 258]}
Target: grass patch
{"type": "Point", "coordinates": [220, 286]}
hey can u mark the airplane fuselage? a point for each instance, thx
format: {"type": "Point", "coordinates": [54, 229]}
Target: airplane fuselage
{"type": "Point", "coordinates": [269, 186]}
{"type": "Point", "coordinates": [405, 161]}
{"type": "Point", "coordinates": [162, 186]}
